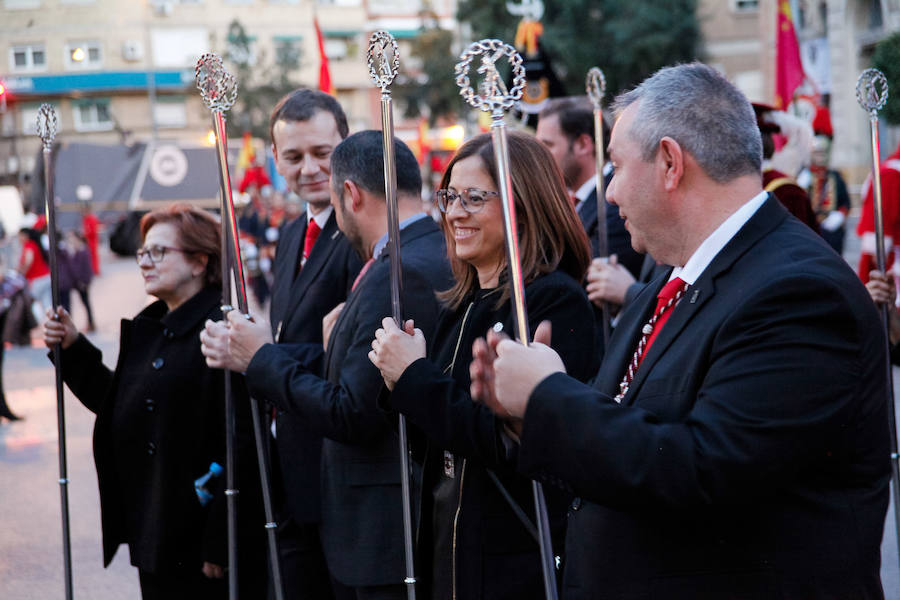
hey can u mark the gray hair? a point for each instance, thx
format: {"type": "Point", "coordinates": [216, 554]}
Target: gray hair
{"type": "Point", "coordinates": [698, 108]}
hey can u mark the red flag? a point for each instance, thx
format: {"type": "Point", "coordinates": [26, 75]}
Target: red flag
{"type": "Point", "coordinates": [788, 67]}
{"type": "Point", "coordinates": [324, 72]}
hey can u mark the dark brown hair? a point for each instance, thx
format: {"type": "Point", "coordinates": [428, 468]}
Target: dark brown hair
{"type": "Point", "coordinates": [550, 234]}
{"type": "Point", "coordinates": [198, 233]}
{"type": "Point", "coordinates": [302, 105]}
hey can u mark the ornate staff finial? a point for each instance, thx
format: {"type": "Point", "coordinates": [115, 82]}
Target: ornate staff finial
{"type": "Point", "coordinates": [218, 88]}
{"type": "Point", "coordinates": [383, 58]}
{"type": "Point", "coordinates": [867, 91]}
{"type": "Point", "coordinates": [47, 124]}
{"type": "Point", "coordinates": [595, 86]}
{"type": "Point", "coordinates": [492, 96]}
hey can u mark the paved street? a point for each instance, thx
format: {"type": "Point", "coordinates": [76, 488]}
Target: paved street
{"type": "Point", "coordinates": [30, 539]}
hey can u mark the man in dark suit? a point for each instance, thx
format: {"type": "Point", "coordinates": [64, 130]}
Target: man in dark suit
{"type": "Point", "coordinates": [313, 269]}
{"type": "Point", "coordinates": [566, 128]}
{"type": "Point", "coordinates": [335, 394]}
{"type": "Point", "coordinates": [735, 443]}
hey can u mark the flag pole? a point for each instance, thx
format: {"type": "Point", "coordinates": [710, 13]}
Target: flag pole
{"type": "Point", "coordinates": [596, 89]}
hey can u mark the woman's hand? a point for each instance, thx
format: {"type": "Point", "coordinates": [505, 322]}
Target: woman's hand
{"type": "Point", "coordinates": [213, 571]}
{"type": "Point", "coordinates": [59, 330]}
{"type": "Point", "coordinates": [393, 350]}
{"type": "Point", "coordinates": [884, 292]}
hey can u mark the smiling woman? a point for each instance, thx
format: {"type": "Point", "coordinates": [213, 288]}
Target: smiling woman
{"type": "Point", "coordinates": [160, 421]}
{"type": "Point", "coordinates": [481, 511]}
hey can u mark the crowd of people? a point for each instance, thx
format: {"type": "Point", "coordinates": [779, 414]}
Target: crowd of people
{"type": "Point", "coordinates": [730, 441]}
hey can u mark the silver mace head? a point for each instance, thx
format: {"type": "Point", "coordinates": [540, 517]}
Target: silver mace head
{"type": "Point", "coordinates": [492, 96]}
{"type": "Point", "coordinates": [383, 58]}
{"type": "Point", "coordinates": [595, 85]}
{"type": "Point", "coordinates": [867, 91]}
{"type": "Point", "coordinates": [47, 125]}
{"type": "Point", "coordinates": [218, 88]}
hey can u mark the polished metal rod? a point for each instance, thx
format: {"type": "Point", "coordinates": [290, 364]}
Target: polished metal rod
{"type": "Point", "coordinates": [596, 89]}
{"type": "Point", "coordinates": [218, 89]}
{"type": "Point", "coordinates": [383, 58]}
{"type": "Point", "coordinates": [872, 94]}
{"type": "Point", "coordinates": [494, 97]}
{"type": "Point", "coordinates": [47, 127]}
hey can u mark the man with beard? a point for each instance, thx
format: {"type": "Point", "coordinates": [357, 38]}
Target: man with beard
{"type": "Point", "coordinates": [334, 390]}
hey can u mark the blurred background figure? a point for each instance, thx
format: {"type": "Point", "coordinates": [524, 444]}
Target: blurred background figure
{"type": "Point", "coordinates": [15, 307]}
{"type": "Point", "coordinates": [33, 266]}
{"type": "Point", "coordinates": [890, 201]}
{"type": "Point", "coordinates": [90, 225]}
{"type": "Point", "coordinates": [75, 274]}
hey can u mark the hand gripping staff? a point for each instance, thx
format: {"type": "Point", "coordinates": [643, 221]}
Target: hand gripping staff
{"type": "Point", "coordinates": [872, 94]}
{"type": "Point", "coordinates": [494, 97]}
{"type": "Point", "coordinates": [218, 89]}
{"type": "Point", "coordinates": [383, 58]}
{"type": "Point", "coordinates": [596, 89]}
{"type": "Point", "coordinates": [47, 127]}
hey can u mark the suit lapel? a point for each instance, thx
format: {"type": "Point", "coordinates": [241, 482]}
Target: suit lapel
{"type": "Point", "coordinates": [769, 216]}
{"type": "Point", "coordinates": [318, 258]}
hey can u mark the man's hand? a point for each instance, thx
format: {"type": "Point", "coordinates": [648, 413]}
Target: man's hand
{"type": "Point", "coordinates": [59, 329]}
{"type": "Point", "coordinates": [214, 344]}
{"type": "Point", "coordinates": [328, 322]}
{"type": "Point", "coordinates": [246, 335]}
{"type": "Point", "coordinates": [608, 281]}
{"type": "Point", "coordinates": [213, 571]}
{"type": "Point", "coordinates": [519, 369]}
{"type": "Point", "coordinates": [883, 291]}
{"type": "Point", "coordinates": [394, 350]}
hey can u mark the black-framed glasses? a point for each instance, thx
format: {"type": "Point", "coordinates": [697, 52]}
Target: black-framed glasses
{"type": "Point", "coordinates": [156, 253]}
{"type": "Point", "coordinates": [472, 199]}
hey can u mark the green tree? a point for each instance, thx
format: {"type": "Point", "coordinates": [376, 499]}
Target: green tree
{"type": "Point", "coordinates": [430, 89]}
{"type": "Point", "coordinates": [260, 82]}
{"type": "Point", "coordinates": [627, 40]}
{"type": "Point", "coordinates": [887, 59]}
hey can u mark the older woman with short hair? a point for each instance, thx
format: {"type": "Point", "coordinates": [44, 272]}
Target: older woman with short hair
{"type": "Point", "coordinates": [477, 524]}
{"type": "Point", "coordinates": [160, 420]}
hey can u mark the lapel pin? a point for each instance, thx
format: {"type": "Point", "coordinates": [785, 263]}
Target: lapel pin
{"type": "Point", "coordinates": [694, 297]}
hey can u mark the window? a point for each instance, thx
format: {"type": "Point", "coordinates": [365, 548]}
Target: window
{"type": "Point", "coordinates": [745, 5]}
{"type": "Point", "coordinates": [170, 112]}
{"type": "Point", "coordinates": [83, 55]}
{"type": "Point", "coordinates": [28, 57]}
{"type": "Point", "coordinates": [287, 51]}
{"type": "Point", "coordinates": [92, 115]}
{"type": "Point", "coordinates": [12, 4]}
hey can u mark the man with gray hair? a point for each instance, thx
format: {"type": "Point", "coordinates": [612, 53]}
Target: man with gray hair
{"type": "Point", "coordinates": [735, 443]}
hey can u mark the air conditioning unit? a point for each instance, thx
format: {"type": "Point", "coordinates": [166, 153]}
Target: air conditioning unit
{"type": "Point", "coordinates": [132, 50]}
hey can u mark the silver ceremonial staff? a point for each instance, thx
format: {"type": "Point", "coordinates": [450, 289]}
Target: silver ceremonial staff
{"type": "Point", "coordinates": [218, 89]}
{"type": "Point", "coordinates": [47, 126]}
{"type": "Point", "coordinates": [493, 97]}
{"type": "Point", "coordinates": [383, 57]}
{"type": "Point", "coordinates": [596, 89]}
{"type": "Point", "coordinates": [872, 94]}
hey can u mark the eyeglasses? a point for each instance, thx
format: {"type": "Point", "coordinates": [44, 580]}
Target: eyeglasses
{"type": "Point", "coordinates": [472, 199]}
{"type": "Point", "coordinates": [156, 253]}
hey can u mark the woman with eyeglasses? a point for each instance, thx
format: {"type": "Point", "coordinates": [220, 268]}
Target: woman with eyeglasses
{"type": "Point", "coordinates": [160, 420]}
{"type": "Point", "coordinates": [477, 536]}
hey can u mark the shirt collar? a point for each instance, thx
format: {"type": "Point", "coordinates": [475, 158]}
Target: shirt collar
{"type": "Point", "coordinates": [320, 218]}
{"type": "Point", "coordinates": [717, 240]}
{"type": "Point", "coordinates": [382, 242]}
{"type": "Point", "coordinates": [586, 189]}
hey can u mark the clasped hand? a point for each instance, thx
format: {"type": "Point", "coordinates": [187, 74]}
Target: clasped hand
{"type": "Point", "coordinates": [232, 343]}
{"type": "Point", "coordinates": [394, 349]}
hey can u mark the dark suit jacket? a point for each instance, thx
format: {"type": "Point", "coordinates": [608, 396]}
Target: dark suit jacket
{"type": "Point", "coordinates": [362, 525]}
{"type": "Point", "coordinates": [750, 457]}
{"type": "Point", "coordinates": [298, 305]}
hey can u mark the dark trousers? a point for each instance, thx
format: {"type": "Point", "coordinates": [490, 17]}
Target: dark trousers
{"type": "Point", "coordinates": [369, 592]}
{"type": "Point", "coordinates": [303, 570]}
{"type": "Point", "coordinates": [65, 299]}
{"type": "Point", "coordinates": [181, 585]}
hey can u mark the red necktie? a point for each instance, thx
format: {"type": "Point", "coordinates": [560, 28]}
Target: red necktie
{"type": "Point", "coordinates": [361, 273]}
{"type": "Point", "coordinates": [312, 232]}
{"type": "Point", "coordinates": [667, 298]}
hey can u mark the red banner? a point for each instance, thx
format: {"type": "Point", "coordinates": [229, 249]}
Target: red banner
{"type": "Point", "coordinates": [324, 71]}
{"type": "Point", "coordinates": [788, 66]}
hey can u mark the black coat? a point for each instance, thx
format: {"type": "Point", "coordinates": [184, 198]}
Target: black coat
{"type": "Point", "coordinates": [299, 301]}
{"type": "Point", "coordinates": [750, 457]}
{"type": "Point", "coordinates": [362, 524]}
{"type": "Point", "coordinates": [160, 423]}
{"type": "Point", "coordinates": [617, 237]}
{"type": "Point", "coordinates": [494, 556]}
